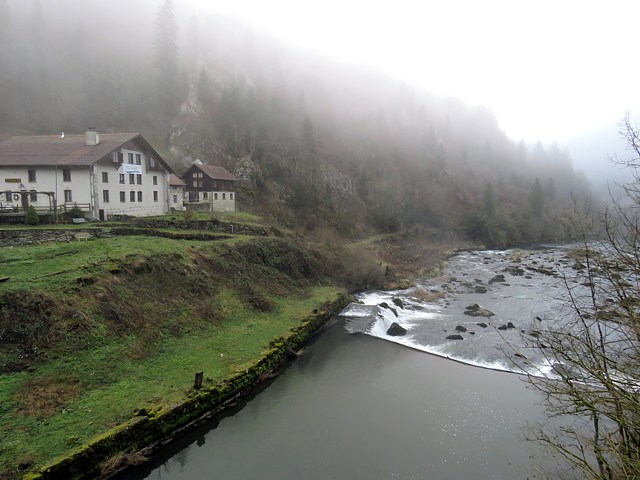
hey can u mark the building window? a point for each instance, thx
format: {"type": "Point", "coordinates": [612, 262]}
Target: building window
{"type": "Point", "coordinates": [205, 195]}
{"type": "Point", "coordinates": [33, 197]}
{"type": "Point", "coordinates": [121, 178]}
{"type": "Point", "coordinates": [138, 159]}
{"type": "Point", "coordinates": [155, 179]}
{"type": "Point", "coordinates": [67, 196]}
{"type": "Point", "coordinates": [139, 175]}
{"type": "Point", "coordinates": [231, 196]}
{"type": "Point", "coordinates": [130, 157]}
{"type": "Point", "coordinates": [120, 157]}
{"type": "Point", "coordinates": [152, 162]}
{"type": "Point", "coordinates": [132, 196]}
{"type": "Point", "coordinates": [215, 196]}
{"type": "Point", "coordinates": [132, 179]}
{"type": "Point", "coordinates": [66, 174]}
{"type": "Point", "coordinates": [105, 177]}
{"type": "Point", "coordinates": [175, 199]}
{"type": "Point", "coordinates": [7, 195]}
{"type": "Point", "coordinates": [139, 196]}
{"type": "Point", "coordinates": [123, 197]}
{"type": "Point", "coordinates": [195, 184]}
{"type": "Point", "coordinates": [105, 196]}
{"type": "Point", "coordinates": [32, 175]}
{"type": "Point", "coordinates": [155, 195]}
{"type": "Point", "coordinates": [224, 196]}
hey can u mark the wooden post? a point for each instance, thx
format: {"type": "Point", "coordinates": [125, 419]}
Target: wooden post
{"type": "Point", "coordinates": [197, 384]}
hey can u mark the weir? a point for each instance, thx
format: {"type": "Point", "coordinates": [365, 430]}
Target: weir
{"type": "Point", "coordinates": [482, 311]}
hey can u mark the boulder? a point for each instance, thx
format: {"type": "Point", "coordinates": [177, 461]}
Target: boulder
{"type": "Point", "coordinates": [510, 325]}
{"type": "Point", "coordinates": [398, 302]}
{"type": "Point", "coordinates": [396, 330]}
{"type": "Point", "coordinates": [455, 337]}
{"type": "Point", "coordinates": [502, 327]}
{"type": "Point", "coordinates": [460, 328]}
{"type": "Point", "coordinates": [513, 270]}
{"type": "Point", "coordinates": [476, 310]}
{"type": "Point", "coordinates": [480, 289]}
{"type": "Point", "coordinates": [482, 324]}
{"type": "Point", "coordinates": [386, 305]}
{"type": "Point", "coordinates": [498, 279]}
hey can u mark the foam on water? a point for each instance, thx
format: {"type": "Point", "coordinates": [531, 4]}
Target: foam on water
{"type": "Point", "coordinates": [428, 324]}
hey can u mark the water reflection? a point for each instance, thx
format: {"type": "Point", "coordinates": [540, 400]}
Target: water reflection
{"type": "Point", "coordinates": [354, 406]}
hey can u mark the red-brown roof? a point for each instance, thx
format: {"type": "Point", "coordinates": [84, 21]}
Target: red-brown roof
{"type": "Point", "coordinates": [174, 181]}
{"type": "Point", "coordinates": [51, 150]}
{"type": "Point", "coordinates": [215, 172]}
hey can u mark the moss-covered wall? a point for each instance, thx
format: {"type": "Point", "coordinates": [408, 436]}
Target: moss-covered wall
{"type": "Point", "coordinates": [26, 236]}
{"type": "Point", "coordinates": [154, 425]}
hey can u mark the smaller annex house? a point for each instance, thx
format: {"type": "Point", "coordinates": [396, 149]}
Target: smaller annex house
{"type": "Point", "coordinates": [210, 188]}
{"type": "Point", "coordinates": [177, 193]}
{"type": "Point", "coordinates": [104, 175]}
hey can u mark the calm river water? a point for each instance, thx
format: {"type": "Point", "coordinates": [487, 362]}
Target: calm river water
{"type": "Point", "coordinates": [359, 404]}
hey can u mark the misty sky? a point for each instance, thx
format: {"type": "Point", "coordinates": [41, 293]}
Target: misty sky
{"type": "Point", "coordinates": [549, 69]}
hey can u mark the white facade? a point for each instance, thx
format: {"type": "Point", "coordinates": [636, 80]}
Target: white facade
{"type": "Point", "coordinates": [100, 190]}
{"type": "Point", "coordinates": [117, 191]}
{"type": "Point", "coordinates": [214, 201]}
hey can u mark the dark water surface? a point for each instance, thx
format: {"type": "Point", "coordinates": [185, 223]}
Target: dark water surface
{"type": "Point", "coordinates": [357, 407]}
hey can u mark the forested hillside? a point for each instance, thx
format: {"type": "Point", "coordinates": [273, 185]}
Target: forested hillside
{"type": "Point", "coordinates": [317, 144]}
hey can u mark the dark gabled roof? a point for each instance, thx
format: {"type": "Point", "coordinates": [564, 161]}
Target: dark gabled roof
{"type": "Point", "coordinates": [175, 181]}
{"type": "Point", "coordinates": [216, 173]}
{"type": "Point", "coordinates": [70, 150]}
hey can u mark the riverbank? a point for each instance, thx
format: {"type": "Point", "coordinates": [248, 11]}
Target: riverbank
{"type": "Point", "coordinates": [107, 332]}
{"type": "Point", "coordinates": [354, 406]}
{"type": "Point", "coordinates": [95, 333]}
{"type": "Point", "coordinates": [130, 442]}
{"type": "Point", "coordinates": [411, 257]}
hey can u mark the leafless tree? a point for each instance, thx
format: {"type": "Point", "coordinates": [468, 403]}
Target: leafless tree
{"type": "Point", "coordinates": [592, 396]}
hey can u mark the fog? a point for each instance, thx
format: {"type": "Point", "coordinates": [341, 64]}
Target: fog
{"type": "Point", "coordinates": [302, 126]}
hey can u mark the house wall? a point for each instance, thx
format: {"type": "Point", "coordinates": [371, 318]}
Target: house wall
{"type": "Point", "coordinates": [214, 201]}
{"type": "Point", "coordinates": [155, 196]}
{"type": "Point", "coordinates": [87, 186]}
{"type": "Point", "coordinates": [48, 179]}
{"type": "Point", "coordinates": [176, 198]}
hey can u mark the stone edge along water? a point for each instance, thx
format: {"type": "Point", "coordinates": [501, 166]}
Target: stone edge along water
{"type": "Point", "coordinates": [151, 428]}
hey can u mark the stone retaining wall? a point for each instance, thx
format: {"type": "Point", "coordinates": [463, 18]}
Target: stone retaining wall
{"type": "Point", "coordinates": [209, 225]}
{"type": "Point", "coordinates": [15, 237]}
{"type": "Point", "coordinates": [138, 226]}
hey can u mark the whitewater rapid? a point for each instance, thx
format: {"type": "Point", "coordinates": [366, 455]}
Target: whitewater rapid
{"type": "Point", "coordinates": [521, 289]}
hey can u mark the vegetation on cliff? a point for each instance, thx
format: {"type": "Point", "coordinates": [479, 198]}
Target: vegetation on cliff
{"type": "Point", "coordinates": [315, 144]}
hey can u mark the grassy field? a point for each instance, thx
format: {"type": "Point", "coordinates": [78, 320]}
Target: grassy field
{"type": "Point", "coordinates": [124, 323]}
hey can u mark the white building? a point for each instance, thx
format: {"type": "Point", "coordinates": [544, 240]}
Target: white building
{"type": "Point", "coordinates": [177, 193]}
{"type": "Point", "coordinates": [104, 175]}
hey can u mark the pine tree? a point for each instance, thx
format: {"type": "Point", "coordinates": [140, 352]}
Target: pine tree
{"type": "Point", "coordinates": [169, 88]}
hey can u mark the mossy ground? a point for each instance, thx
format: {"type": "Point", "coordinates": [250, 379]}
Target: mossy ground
{"type": "Point", "coordinates": [120, 324]}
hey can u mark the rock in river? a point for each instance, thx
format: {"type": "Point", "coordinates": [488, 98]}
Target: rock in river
{"type": "Point", "coordinates": [476, 310]}
{"type": "Point", "coordinates": [396, 330]}
{"type": "Point", "coordinates": [460, 328]}
{"type": "Point", "coordinates": [455, 337]}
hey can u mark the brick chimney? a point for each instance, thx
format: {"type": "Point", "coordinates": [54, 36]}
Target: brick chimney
{"type": "Point", "coordinates": [92, 138]}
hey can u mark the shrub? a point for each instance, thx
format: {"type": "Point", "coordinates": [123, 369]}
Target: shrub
{"type": "Point", "coordinates": [76, 212]}
{"type": "Point", "coordinates": [32, 216]}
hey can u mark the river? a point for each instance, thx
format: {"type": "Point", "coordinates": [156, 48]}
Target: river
{"type": "Point", "coordinates": [359, 404]}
